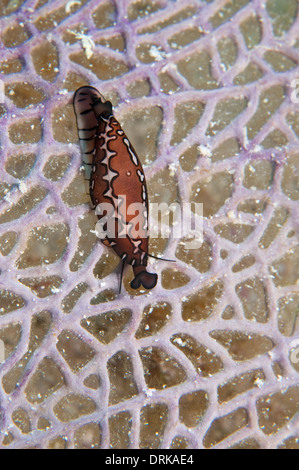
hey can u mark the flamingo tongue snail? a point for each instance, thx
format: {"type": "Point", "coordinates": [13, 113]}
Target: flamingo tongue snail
{"type": "Point", "coordinates": [114, 173]}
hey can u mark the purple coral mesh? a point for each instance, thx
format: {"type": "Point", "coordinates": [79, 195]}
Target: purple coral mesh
{"type": "Point", "coordinates": [251, 150]}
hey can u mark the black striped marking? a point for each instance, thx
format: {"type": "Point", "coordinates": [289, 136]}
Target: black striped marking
{"type": "Point", "coordinates": [87, 138]}
{"type": "Point", "coordinates": [86, 130]}
{"type": "Point", "coordinates": [86, 111]}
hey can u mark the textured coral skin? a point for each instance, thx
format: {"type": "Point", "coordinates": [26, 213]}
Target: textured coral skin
{"type": "Point", "coordinates": [20, 423]}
